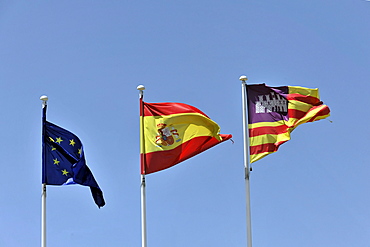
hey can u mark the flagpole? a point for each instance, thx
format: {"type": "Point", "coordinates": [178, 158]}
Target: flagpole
{"type": "Point", "coordinates": [141, 88]}
{"type": "Point", "coordinates": [143, 212]}
{"type": "Point", "coordinates": [43, 216]}
{"type": "Point", "coordinates": [44, 99]}
{"type": "Point", "coordinates": [246, 159]}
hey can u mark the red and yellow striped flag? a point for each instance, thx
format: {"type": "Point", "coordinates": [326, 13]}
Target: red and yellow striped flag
{"type": "Point", "coordinates": [274, 112]}
{"type": "Point", "coordinates": [173, 132]}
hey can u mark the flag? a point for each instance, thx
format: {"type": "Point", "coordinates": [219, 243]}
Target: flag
{"type": "Point", "coordinates": [64, 161]}
{"type": "Point", "coordinates": [274, 112]}
{"type": "Point", "coordinates": [172, 133]}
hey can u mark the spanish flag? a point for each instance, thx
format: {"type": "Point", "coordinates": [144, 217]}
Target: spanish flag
{"type": "Point", "coordinates": [274, 112]}
{"type": "Point", "coordinates": [173, 132]}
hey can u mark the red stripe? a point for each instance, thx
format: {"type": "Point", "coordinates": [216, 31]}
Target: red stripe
{"type": "Point", "coordinates": [264, 148]}
{"type": "Point", "coordinates": [157, 161]}
{"type": "Point", "coordinates": [304, 98]}
{"type": "Point", "coordinates": [293, 113]}
{"type": "Point", "coordinates": [323, 112]}
{"type": "Point", "coordinates": [141, 106]}
{"type": "Point", "coordinates": [159, 109]}
{"type": "Point", "coordinates": [300, 114]}
{"type": "Point", "coordinates": [266, 130]}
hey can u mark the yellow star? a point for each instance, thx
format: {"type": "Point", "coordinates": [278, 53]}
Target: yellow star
{"type": "Point", "coordinates": [51, 139]}
{"type": "Point", "coordinates": [59, 140]}
{"type": "Point", "coordinates": [72, 142]}
{"type": "Point", "coordinates": [56, 161]}
{"type": "Point", "coordinates": [79, 151]}
{"type": "Point", "coordinates": [53, 148]}
{"type": "Point", "coordinates": [64, 172]}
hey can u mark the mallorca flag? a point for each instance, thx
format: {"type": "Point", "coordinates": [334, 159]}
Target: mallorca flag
{"type": "Point", "coordinates": [172, 133]}
{"type": "Point", "coordinates": [64, 160]}
{"type": "Point", "coordinates": [274, 112]}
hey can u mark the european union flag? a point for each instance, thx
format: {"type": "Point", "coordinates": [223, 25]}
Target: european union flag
{"type": "Point", "coordinates": [64, 161]}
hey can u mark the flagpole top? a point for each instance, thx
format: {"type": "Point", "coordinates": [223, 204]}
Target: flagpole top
{"type": "Point", "coordinates": [141, 87]}
{"type": "Point", "coordinates": [243, 78]}
{"type": "Point", "coordinates": [44, 98]}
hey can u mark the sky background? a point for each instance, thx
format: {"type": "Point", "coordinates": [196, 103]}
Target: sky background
{"type": "Point", "coordinates": [88, 57]}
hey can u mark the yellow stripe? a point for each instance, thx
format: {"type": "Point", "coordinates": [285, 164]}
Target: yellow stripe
{"type": "Point", "coordinates": [301, 107]}
{"type": "Point", "coordinates": [255, 157]}
{"type": "Point", "coordinates": [304, 91]}
{"type": "Point", "coordinates": [310, 115]}
{"type": "Point", "coordinates": [321, 117]}
{"type": "Point", "coordinates": [298, 105]}
{"type": "Point", "coordinates": [289, 124]}
{"type": "Point", "coordinates": [269, 138]}
{"type": "Point", "coordinates": [187, 125]}
{"type": "Point", "coordinates": [266, 124]}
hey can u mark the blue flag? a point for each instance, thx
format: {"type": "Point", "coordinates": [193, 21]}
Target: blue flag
{"type": "Point", "coordinates": [64, 161]}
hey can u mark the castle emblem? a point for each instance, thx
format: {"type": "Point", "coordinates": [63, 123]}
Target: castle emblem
{"type": "Point", "coordinates": [272, 103]}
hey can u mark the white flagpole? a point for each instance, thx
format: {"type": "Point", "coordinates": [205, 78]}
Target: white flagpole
{"type": "Point", "coordinates": [143, 212]}
{"type": "Point", "coordinates": [43, 197]}
{"type": "Point", "coordinates": [43, 216]}
{"type": "Point", "coordinates": [246, 159]}
{"type": "Point", "coordinates": [141, 88]}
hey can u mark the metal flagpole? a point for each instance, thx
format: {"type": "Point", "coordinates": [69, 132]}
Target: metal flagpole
{"type": "Point", "coordinates": [44, 99]}
{"type": "Point", "coordinates": [143, 212]}
{"type": "Point", "coordinates": [141, 88]}
{"type": "Point", "coordinates": [43, 216]}
{"type": "Point", "coordinates": [246, 159]}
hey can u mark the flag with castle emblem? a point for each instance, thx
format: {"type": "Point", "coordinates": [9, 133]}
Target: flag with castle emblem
{"type": "Point", "coordinates": [64, 161]}
{"type": "Point", "coordinates": [274, 112]}
{"type": "Point", "coordinates": [172, 133]}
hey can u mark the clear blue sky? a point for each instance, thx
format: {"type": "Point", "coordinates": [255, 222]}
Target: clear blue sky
{"type": "Point", "coordinates": [89, 57]}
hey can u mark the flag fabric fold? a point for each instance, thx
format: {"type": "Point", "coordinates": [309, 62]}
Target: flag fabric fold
{"type": "Point", "coordinates": [274, 112]}
{"type": "Point", "coordinates": [64, 161]}
{"type": "Point", "coordinates": [173, 132]}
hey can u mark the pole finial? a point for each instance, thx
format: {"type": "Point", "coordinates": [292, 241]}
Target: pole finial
{"type": "Point", "coordinates": [243, 78]}
{"type": "Point", "coordinates": [44, 98]}
{"type": "Point", "coordinates": [141, 88]}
